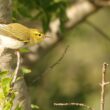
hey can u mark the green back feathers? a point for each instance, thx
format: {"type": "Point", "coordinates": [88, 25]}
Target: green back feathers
{"type": "Point", "coordinates": [16, 30]}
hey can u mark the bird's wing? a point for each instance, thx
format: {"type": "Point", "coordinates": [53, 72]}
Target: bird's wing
{"type": "Point", "coordinates": [16, 31]}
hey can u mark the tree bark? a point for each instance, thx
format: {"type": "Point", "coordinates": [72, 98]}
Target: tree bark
{"type": "Point", "coordinates": [5, 11]}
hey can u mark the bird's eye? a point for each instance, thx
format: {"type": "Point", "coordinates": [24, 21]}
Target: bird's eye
{"type": "Point", "coordinates": [39, 34]}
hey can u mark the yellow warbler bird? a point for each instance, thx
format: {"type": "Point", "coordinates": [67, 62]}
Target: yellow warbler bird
{"type": "Point", "coordinates": [15, 36]}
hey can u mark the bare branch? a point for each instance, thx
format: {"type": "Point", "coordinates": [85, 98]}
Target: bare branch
{"type": "Point", "coordinates": [98, 30]}
{"type": "Point", "coordinates": [73, 104]}
{"type": "Point", "coordinates": [103, 85]}
{"type": "Point", "coordinates": [17, 68]}
{"type": "Point", "coordinates": [59, 60]}
{"type": "Point", "coordinates": [52, 66]}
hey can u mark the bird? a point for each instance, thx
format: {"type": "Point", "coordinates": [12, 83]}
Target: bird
{"type": "Point", "coordinates": [16, 35]}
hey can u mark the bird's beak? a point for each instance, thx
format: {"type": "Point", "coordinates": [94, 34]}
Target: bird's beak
{"type": "Point", "coordinates": [46, 36]}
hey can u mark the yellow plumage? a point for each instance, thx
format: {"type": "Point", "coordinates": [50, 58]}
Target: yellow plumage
{"type": "Point", "coordinates": [21, 33]}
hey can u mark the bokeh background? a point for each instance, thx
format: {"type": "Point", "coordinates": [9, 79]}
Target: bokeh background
{"type": "Point", "coordinates": [77, 76]}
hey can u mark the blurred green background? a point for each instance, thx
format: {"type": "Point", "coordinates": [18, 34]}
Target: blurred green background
{"type": "Point", "coordinates": [77, 76]}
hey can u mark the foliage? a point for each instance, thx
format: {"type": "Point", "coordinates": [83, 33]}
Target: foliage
{"type": "Point", "coordinates": [35, 107]}
{"type": "Point", "coordinates": [24, 50]}
{"type": "Point", "coordinates": [7, 94]}
{"type": "Point", "coordinates": [44, 11]}
{"type": "Point", "coordinates": [25, 70]}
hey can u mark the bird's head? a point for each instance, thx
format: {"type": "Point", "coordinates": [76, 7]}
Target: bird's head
{"type": "Point", "coordinates": [36, 36]}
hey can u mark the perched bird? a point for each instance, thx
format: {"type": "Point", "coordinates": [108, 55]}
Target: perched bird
{"type": "Point", "coordinates": [15, 36]}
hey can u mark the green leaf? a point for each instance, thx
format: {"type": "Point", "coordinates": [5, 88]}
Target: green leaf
{"type": "Point", "coordinates": [3, 73]}
{"type": "Point", "coordinates": [19, 78]}
{"type": "Point", "coordinates": [24, 50]}
{"type": "Point", "coordinates": [5, 83]}
{"type": "Point", "coordinates": [18, 108]}
{"type": "Point", "coordinates": [1, 95]}
{"type": "Point", "coordinates": [34, 106]}
{"type": "Point", "coordinates": [25, 70]}
{"type": "Point", "coordinates": [8, 106]}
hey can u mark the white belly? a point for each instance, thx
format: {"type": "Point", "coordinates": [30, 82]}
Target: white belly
{"type": "Point", "coordinates": [8, 42]}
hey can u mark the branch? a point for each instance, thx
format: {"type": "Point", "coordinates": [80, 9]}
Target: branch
{"type": "Point", "coordinates": [103, 85]}
{"type": "Point", "coordinates": [5, 11]}
{"type": "Point", "coordinates": [17, 68]}
{"type": "Point", "coordinates": [73, 104]}
{"type": "Point", "coordinates": [59, 60]}
{"type": "Point", "coordinates": [79, 12]}
{"type": "Point", "coordinates": [51, 66]}
{"type": "Point", "coordinates": [98, 30]}
{"type": "Point", "coordinates": [102, 2]}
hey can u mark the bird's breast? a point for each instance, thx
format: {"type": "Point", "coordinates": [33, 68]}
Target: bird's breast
{"type": "Point", "coordinates": [8, 42]}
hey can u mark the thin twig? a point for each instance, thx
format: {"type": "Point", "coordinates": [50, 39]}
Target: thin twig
{"type": "Point", "coordinates": [52, 65]}
{"type": "Point", "coordinates": [103, 85]}
{"type": "Point", "coordinates": [17, 67]}
{"type": "Point", "coordinates": [73, 104]}
{"type": "Point", "coordinates": [59, 60]}
{"type": "Point", "coordinates": [98, 30]}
